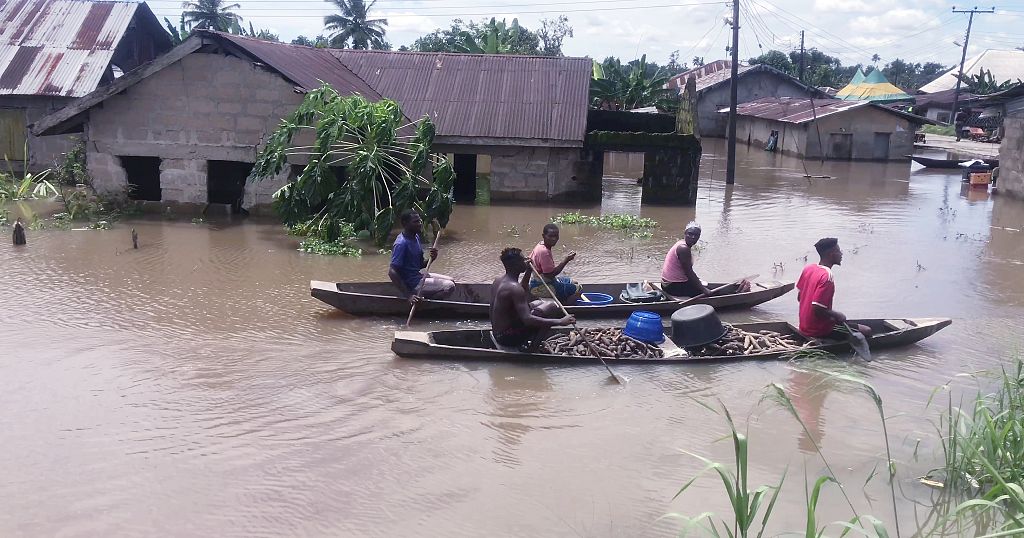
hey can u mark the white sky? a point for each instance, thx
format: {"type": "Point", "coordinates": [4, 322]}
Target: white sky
{"type": "Point", "coordinates": [853, 30]}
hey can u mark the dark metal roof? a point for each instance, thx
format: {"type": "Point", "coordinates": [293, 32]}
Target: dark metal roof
{"type": "Point", "coordinates": [304, 66]}
{"type": "Point", "coordinates": [61, 47]}
{"type": "Point", "coordinates": [799, 110]}
{"type": "Point", "coordinates": [494, 96]}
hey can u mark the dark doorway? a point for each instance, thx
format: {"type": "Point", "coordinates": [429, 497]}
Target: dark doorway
{"type": "Point", "coordinates": [840, 146]}
{"type": "Point", "coordinates": [881, 146]}
{"type": "Point", "coordinates": [143, 174]}
{"type": "Point", "coordinates": [465, 177]}
{"type": "Point", "coordinates": [225, 182]}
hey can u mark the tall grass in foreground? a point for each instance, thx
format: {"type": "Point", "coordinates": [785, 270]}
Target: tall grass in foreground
{"type": "Point", "coordinates": [983, 445]}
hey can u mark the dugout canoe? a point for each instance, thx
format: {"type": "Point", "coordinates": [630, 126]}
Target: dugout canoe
{"type": "Point", "coordinates": [950, 164]}
{"type": "Point", "coordinates": [477, 344]}
{"type": "Point", "coordinates": [473, 301]}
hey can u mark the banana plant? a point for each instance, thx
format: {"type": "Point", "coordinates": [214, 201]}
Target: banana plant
{"type": "Point", "coordinates": [31, 185]}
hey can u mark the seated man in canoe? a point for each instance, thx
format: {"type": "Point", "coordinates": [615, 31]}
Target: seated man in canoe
{"type": "Point", "coordinates": [515, 321]}
{"type": "Point", "coordinates": [567, 289]}
{"type": "Point", "coordinates": [816, 288]}
{"type": "Point", "coordinates": [407, 261]}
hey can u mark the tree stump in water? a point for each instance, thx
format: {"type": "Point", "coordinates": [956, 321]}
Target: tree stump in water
{"type": "Point", "coordinates": [19, 233]}
{"type": "Point", "coordinates": [135, 239]}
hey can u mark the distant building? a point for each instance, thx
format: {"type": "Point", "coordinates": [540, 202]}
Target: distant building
{"type": "Point", "coordinates": [755, 82]}
{"type": "Point", "coordinates": [53, 51]}
{"type": "Point", "coordinates": [872, 87]}
{"type": "Point", "coordinates": [831, 129]}
{"type": "Point", "coordinates": [936, 106]}
{"type": "Point", "coordinates": [1003, 64]}
{"type": "Point", "coordinates": [187, 127]}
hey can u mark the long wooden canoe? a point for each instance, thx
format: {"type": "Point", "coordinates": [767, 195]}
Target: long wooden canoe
{"type": "Point", "coordinates": [477, 345]}
{"type": "Point", "coordinates": [948, 163]}
{"type": "Point", "coordinates": [474, 300]}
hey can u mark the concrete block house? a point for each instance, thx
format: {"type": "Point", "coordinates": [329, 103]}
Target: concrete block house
{"type": "Point", "coordinates": [186, 128]}
{"type": "Point", "coordinates": [755, 82]}
{"type": "Point", "coordinates": [828, 128]}
{"type": "Point", "coordinates": [54, 51]}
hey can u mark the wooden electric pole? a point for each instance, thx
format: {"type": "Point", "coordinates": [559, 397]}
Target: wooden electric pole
{"type": "Point", "coordinates": [963, 57]}
{"type": "Point", "coordinates": [800, 73]}
{"type": "Point", "coordinates": [730, 163]}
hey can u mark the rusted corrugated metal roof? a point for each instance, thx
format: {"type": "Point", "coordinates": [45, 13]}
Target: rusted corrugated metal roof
{"type": "Point", "coordinates": [720, 72]}
{"type": "Point", "coordinates": [799, 110]}
{"type": "Point", "coordinates": [304, 66]}
{"type": "Point", "coordinates": [493, 96]}
{"type": "Point", "coordinates": [59, 47]}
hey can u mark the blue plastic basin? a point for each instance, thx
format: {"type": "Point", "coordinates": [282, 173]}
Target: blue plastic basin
{"type": "Point", "coordinates": [594, 299]}
{"type": "Point", "coordinates": [644, 326]}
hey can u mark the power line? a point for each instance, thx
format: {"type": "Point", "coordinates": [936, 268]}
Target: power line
{"type": "Point", "coordinates": [163, 12]}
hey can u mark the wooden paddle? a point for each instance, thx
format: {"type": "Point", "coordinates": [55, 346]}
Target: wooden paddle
{"type": "Point", "coordinates": [858, 342]}
{"type": "Point", "coordinates": [716, 290]}
{"type": "Point", "coordinates": [419, 289]}
{"type": "Point", "coordinates": [593, 349]}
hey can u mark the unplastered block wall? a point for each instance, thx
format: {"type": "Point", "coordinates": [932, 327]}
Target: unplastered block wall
{"type": "Point", "coordinates": [1011, 156]}
{"type": "Point", "coordinates": [541, 173]}
{"type": "Point", "coordinates": [204, 107]}
{"type": "Point", "coordinates": [752, 86]}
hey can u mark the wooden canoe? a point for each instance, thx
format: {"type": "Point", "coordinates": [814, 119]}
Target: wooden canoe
{"type": "Point", "coordinates": [476, 344]}
{"type": "Point", "coordinates": [952, 164]}
{"type": "Point", "coordinates": [474, 300]}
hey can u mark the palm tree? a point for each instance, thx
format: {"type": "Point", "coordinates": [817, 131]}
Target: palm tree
{"type": "Point", "coordinates": [210, 14]}
{"type": "Point", "coordinates": [354, 24]}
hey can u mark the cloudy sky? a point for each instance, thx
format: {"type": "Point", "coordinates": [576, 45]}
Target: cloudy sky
{"type": "Point", "coordinates": [853, 30]}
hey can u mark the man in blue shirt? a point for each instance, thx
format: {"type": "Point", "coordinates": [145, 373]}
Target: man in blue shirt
{"type": "Point", "coordinates": [407, 261]}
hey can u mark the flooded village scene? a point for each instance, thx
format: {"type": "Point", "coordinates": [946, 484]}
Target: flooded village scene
{"type": "Point", "coordinates": [588, 269]}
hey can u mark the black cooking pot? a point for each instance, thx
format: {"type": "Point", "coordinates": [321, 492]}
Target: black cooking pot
{"type": "Point", "coordinates": [696, 325]}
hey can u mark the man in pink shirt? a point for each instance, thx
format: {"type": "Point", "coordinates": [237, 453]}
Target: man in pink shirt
{"type": "Point", "coordinates": [816, 291]}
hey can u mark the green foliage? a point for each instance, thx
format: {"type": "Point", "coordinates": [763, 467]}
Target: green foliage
{"type": "Point", "coordinates": [353, 24]}
{"type": "Point", "coordinates": [385, 172]}
{"type": "Point", "coordinates": [262, 34]}
{"type": "Point", "coordinates": [615, 221]}
{"type": "Point", "coordinates": [615, 86]}
{"type": "Point", "coordinates": [983, 445]}
{"type": "Point", "coordinates": [72, 169]}
{"type": "Point", "coordinates": [947, 130]}
{"type": "Point", "coordinates": [552, 34]}
{"type": "Point", "coordinates": [489, 37]}
{"type": "Point", "coordinates": [5, 217]}
{"type": "Point", "coordinates": [320, 41]}
{"type": "Point", "coordinates": [745, 502]}
{"type": "Point", "coordinates": [29, 185]}
{"type": "Point", "coordinates": [983, 83]}
{"type": "Point", "coordinates": [210, 14]}
{"type": "Point", "coordinates": [179, 34]}
{"type": "Point", "coordinates": [315, 245]}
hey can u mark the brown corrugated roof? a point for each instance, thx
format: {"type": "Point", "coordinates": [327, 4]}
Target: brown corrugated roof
{"type": "Point", "coordinates": [798, 109]}
{"type": "Point", "coordinates": [720, 72]}
{"type": "Point", "coordinates": [475, 95]}
{"type": "Point", "coordinates": [304, 66]}
{"type": "Point", "coordinates": [60, 47]}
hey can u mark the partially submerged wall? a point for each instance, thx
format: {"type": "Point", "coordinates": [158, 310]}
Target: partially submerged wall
{"type": "Point", "coordinates": [851, 135]}
{"type": "Point", "coordinates": [1011, 156]}
{"type": "Point", "coordinates": [204, 107]}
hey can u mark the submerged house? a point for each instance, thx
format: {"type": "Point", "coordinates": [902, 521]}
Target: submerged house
{"type": "Point", "coordinates": [54, 51]}
{"type": "Point", "coordinates": [755, 82]}
{"type": "Point", "coordinates": [1011, 148]}
{"type": "Point", "coordinates": [187, 126]}
{"type": "Point", "coordinates": [828, 128]}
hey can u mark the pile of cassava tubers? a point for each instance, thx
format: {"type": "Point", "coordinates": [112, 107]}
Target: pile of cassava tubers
{"type": "Point", "coordinates": [740, 342]}
{"type": "Point", "coordinates": [610, 343]}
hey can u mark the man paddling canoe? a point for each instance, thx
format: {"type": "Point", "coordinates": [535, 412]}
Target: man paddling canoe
{"type": "Point", "coordinates": [816, 288]}
{"type": "Point", "coordinates": [516, 322]}
{"type": "Point", "coordinates": [407, 261]}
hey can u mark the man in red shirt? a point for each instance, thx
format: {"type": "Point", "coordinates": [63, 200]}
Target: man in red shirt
{"type": "Point", "coordinates": [816, 290]}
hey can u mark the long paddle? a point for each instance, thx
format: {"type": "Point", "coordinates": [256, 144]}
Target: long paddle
{"type": "Point", "coordinates": [419, 289]}
{"type": "Point", "coordinates": [593, 349]}
{"type": "Point", "coordinates": [858, 342]}
{"type": "Point", "coordinates": [716, 290]}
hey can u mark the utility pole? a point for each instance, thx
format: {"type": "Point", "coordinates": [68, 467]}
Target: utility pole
{"type": "Point", "coordinates": [800, 73]}
{"type": "Point", "coordinates": [730, 163]}
{"type": "Point", "coordinates": [963, 57]}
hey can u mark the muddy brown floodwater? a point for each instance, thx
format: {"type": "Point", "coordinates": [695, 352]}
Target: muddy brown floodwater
{"type": "Point", "coordinates": [193, 388]}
